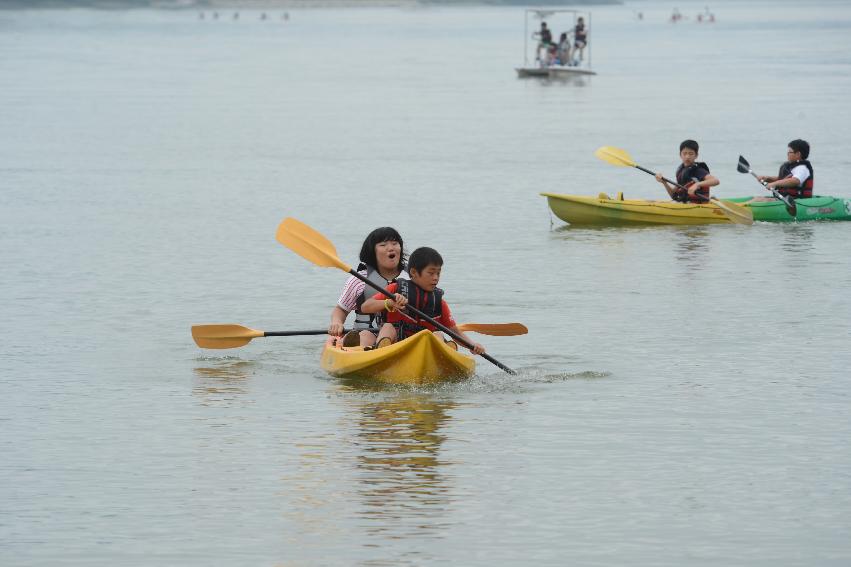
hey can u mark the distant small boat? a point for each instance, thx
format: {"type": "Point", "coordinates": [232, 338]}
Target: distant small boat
{"type": "Point", "coordinates": [553, 71]}
{"type": "Point", "coordinates": [539, 65]}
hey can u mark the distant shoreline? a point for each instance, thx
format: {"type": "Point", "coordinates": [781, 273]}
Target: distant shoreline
{"type": "Point", "coordinates": [236, 5]}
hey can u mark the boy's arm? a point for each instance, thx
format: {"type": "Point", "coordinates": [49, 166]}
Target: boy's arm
{"type": "Point", "coordinates": [378, 303]}
{"type": "Point", "coordinates": [477, 348]}
{"type": "Point", "coordinates": [665, 184]}
{"type": "Point", "coordinates": [788, 182]}
{"type": "Point", "coordinates": [710, 181]}
{"type": "Point", "coordinates": [373, 305]}
{"type": "Point", "coordinates": [706, 182]}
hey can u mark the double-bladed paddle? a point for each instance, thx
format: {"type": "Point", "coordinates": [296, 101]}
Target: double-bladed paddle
{"type": "Point", "coordinates": [616, 156]}
{"type": "Point", "coordinates": [314, 247]}
{"type": "Point", "coordinates": [233, 336]}
{"type": "Point", "coordinates": [745, 167]}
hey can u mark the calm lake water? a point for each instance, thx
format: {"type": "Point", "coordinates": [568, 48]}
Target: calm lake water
{"type": "Point", "coordinates": [683, 394]}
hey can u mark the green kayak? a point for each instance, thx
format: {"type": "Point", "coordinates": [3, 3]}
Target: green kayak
{"type": "Point", "coordinates": [813, 208]}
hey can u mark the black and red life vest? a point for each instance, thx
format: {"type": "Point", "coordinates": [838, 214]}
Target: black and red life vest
{"type": "Point", "coordinates": [429, 302]}
{"type": "Point", "coordinates": [802, 191]}
{"type": "Point", "coordinates": [687, 176]}
{"type": "Point", "coordinates": [580, 35]}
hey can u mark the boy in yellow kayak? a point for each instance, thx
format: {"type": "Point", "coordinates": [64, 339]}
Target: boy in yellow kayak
{"type": "Point", "coordinates": [692, 174]}
{"type": "Point", "coordinates": [421, 292]}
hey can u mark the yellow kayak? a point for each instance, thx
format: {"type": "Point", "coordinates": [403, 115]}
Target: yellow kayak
{"type": "Point", "coordinates": [603, 210]}
{"type": "Point", "coordinates": [420, 359]}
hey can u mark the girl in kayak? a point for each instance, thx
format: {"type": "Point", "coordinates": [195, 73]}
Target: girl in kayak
{"type": "Point", "coordinates": [692, 174]}
{"type": "Point", "coordinates": [420, 291]}
{"type": "Point", "coordinates": [382, 260]}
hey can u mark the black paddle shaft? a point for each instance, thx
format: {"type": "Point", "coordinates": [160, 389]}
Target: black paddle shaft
{"type": "Point", "coordinates": [791, 207]}
{"type": "Point", "coordinates": [298, 333]}
{"type": "Point", "coordinates": [443, 328]}
{"type": "Point", "coordinates": [653, 173]}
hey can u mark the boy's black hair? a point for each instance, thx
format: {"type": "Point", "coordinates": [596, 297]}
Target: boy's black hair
{"type": "Point", "coordinates": [423, 257]}
{"type": "Point", "coordinates": [800, 146]}
{"type": "Point", "coordinates": [690, 144]}
{"type": "Point", "coordinates": [377, 236]}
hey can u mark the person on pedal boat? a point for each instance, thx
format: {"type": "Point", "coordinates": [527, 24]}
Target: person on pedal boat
{"type": "Point", "coordinates": [563, 49]}
{"type": "Point", "coordinates": [545, 39]}
{"type": "Point", "coordinates": [580, 40]}
{"type": "Point", "coordinates": [692, 174]}
{"type": "Point", "coordinates": [382, 260]}
{"type": "Point", "coordinates": [795, 178]}
{"type": "Point", "coordinates": [420, 291]}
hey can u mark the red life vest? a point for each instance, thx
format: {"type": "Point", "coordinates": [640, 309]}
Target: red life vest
{"type": "Point", "coordinates": [429, 302]}
{"type": "Point", "coordinates": [802, 191]}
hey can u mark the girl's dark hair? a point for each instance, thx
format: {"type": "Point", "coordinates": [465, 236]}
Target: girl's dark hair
{"type": "Point", "coordinates": [690, 144]}
{"type": "Point", "coordinates": [800, 146]}
{"type": "Point", "coordinates": [421, 258]}
{"type": "Point", "coordinates": [377, 236]}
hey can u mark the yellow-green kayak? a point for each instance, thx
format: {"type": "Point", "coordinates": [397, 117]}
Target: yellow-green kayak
{"type": "Point", "coordinates": [420, 359]}
{"type": "Point", "coordinates": [603, 210]}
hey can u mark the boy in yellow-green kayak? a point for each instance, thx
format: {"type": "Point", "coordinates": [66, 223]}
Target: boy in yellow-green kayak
{"type": "Point", "coordinates": [692, 174]}
{"type": "Point", "coordinates": [421, 292]}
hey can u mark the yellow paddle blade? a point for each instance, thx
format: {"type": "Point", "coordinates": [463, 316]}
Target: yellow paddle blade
{"type": "Point", "coordinates": [735, 212]}
{"type": "Point", "coordinates": [309, 244]}
{"type": "Point", "coordinates": [495, 329]}
{"type": "Point", "coordinates": [223, 336]}
{"type": "Point", "coordinates": [615, 156]}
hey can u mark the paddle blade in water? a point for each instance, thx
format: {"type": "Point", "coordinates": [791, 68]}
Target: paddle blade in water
{"type": "Point", "coordinates": [223, 336]}
{"type": "Point", "coordinates": [495, 329]}
{"type": "Point", "coordinates": [615, 156]}
{"type": "Point", "coordinates": [735, 212]}
{"type": "Point", "coordinates": [309, 244]}
{"type": "Point", "coordinates": [744, 166]}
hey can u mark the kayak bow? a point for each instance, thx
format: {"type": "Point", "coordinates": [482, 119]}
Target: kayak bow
{"type": "Point", "coordinates": [420, 359]}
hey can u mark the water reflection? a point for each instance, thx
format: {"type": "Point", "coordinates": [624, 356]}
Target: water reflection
{"type": "Point", "coordinates": [691, 246]}
{"type": "Point", "coordinates": [221, 381]}
{"type": "Point", "coordinates": [564, 79]}
{"type": "Point", "coordinates": [797, 237]}
{"type": "Point", "coordinates": [403, 483]}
